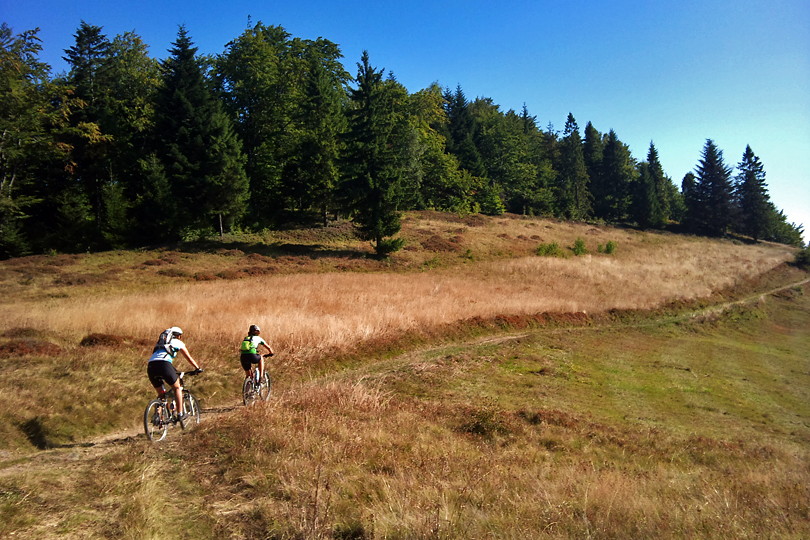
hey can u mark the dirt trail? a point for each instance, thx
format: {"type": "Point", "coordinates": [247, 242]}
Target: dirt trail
{"type": "Point", "coordinates": [78, 455]}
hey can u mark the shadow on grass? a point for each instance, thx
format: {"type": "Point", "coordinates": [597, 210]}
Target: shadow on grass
{"type": "Point", "coordinates": [36, 433]}
{"type": "Point", "coordinates": [276, 249]}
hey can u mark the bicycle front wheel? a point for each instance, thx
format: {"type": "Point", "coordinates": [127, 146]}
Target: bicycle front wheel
{"type": "Point", "coordinates": [266, 387]}
{"type": "Point", "coordinates": [192, 407]}
{"type": "Point", "coordinates": [155, 420]}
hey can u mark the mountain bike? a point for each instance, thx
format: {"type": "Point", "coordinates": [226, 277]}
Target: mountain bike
{"type": "Point", "coordinates": [160, 413]}
{"type": "Point", "coordinates": [255, 388]}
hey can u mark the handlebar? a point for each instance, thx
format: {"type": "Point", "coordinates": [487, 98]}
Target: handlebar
{"type": "Point", "coordinates": [195, 372]}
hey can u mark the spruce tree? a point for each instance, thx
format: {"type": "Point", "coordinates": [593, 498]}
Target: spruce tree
{"type": "Point", "coordinates": [461, 130]}
{"type": "Point", "coordinates": [593, 152]}
{"type": "Point", "coordinates": [754, 211]}
{"type": "Point", "coordinates": [573, 194]}
{"type": "Point", "coordinates": [379, 144]}
{"type": "Point", "coordinates": [711, 205]}
{"type": "Point", "coordinates": [618, 176]}
{"type": "Point", "coordinates": [646, 207]}
{"type": "Point", "coordinates": [91, 144]}
{"type": "Point", "coordinates": [196, 143]}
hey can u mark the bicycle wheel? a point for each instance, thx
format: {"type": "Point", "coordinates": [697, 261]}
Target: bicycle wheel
{"type": "Point", "coordinates": [266, 387]}
{"type": "Point", "coordinates": [155, 420]}
{"type": "Point", "coordinates": [192, 407]}
{"type": "Point", "coordinates": [249, 394]}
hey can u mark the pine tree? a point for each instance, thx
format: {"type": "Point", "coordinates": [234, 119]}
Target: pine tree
{"type": "Point", "coordinates": [754, 212]}
{"type": "Point", "coordinates": [379, 144]}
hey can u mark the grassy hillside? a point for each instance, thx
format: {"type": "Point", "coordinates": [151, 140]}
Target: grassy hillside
{"type": "Point", "coordinates": [468, 388]}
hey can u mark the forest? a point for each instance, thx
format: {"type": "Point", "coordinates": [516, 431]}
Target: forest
{"type": "Point", "coordinates": [124, 150]}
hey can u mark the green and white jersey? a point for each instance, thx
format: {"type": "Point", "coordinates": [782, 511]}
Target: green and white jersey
{"type": "Point", "coordinates": [251, 343]}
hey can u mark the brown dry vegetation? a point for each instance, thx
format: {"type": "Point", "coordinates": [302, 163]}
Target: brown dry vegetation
{"type": "Point", "coordinates": [458, 390]}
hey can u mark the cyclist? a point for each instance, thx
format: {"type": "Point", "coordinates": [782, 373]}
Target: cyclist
{"type": "Point", "coordinates": [249, 350]}
{"type": "Point", "coordinates": [160, 368]}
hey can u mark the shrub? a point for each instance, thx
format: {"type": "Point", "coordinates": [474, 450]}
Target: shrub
{"type": "Point", "coordinates": [803, 258]}
{"type": "Point", "coordinates": [610, 247]}
{"type": "Point", "coordinates": [28, 348]}
{"type": "Point", "coordinates": [549, 250]}
{"type": "Point", "coordinates": [94, 340]}
{"type": "Point", "coordinates": [579, 247]}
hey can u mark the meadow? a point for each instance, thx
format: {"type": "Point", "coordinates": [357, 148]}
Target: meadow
{"type": "Point", "coordinates": [465, 388]}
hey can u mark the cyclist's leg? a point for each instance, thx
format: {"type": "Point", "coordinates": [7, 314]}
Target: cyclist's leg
{"type": "Point", "coordinates": [261, 367]}
{"type": "Point", "coordinates": [157, 373]}
{"type": "Point", "coordinates": [245, 360]}
{"type": "Point", "coordinates": [165, 371]}
{"type": "Point", "coordinates": [178, 396]}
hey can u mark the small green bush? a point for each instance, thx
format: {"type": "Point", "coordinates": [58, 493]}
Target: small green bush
{"type": "Point", "coordinates": [803, 258]}
{"type": "Point", "coordinates": [579, 247]}
{"type": "Point", "coordinates": [549, 250]}
{"type": "Point", "coordinates": [610, 247]}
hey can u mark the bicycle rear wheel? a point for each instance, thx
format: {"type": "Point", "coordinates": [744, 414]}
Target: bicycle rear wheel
{"type": "Point", "coordinates": [192, 407]}
{"type": "Point", "coordinates": [266, 387]}
{"type": "Point", "coordinates": [249, 394]}
{"type": "Point", "coordinates": [156, 420]}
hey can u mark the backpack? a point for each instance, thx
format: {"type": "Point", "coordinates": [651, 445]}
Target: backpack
{"type": "Point", "coordinates": [164, 343]}
{"type": "Point", "coordinates": [247, 346]}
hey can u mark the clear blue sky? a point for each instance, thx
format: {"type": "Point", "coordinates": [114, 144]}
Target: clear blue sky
{"type": "Point", "coordinates": [675, 73]}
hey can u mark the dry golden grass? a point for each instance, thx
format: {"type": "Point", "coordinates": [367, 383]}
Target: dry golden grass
{"type": "Point", "coordinates": [308, 314]}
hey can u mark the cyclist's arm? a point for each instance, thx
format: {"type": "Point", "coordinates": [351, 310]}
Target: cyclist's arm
{"type": "Point", "coordinates": [270, 351]}
{"type": "Point", "coordinates": [189, 358]}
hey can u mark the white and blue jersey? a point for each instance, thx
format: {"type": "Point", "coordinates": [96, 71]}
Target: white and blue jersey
{"type": "Point", "coordinates": [168, 352]}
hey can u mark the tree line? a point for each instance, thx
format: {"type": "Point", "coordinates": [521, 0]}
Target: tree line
{"type": "Point", "coordinates": [125, 150]}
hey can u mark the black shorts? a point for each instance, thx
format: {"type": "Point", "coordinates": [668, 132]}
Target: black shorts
{"type": "Point", "coordinates": [247, 359]}
{"type": "Point", "coordinates": [161, 371]}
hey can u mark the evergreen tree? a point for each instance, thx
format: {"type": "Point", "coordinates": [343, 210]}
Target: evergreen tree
{"type": "Point", "coordinates": [197, 146]}
{"type": "Point", "coordinates": [646, 204]}
{"type": "Point", "coordinates": [754, 212]}
{"type": "Point", "coordinates": [379, 150]}
{"type": "Point", "coordinates": [593, 150]}
{"type": "Point", "coordinates": [652, 193]}
{"type": "Point", "coordinates": [574, 198]}
{"type": "Point", "coordinates": [505, 152]}
{"type": "Point", "coordinates": [662, 187]}
{"type": "Point", "coordinates": [461, 129]}
{"type": "Point", "coordinates": [710, 200]}
{"type": "Point", "coordinates": [442, 184]}
{"type": "Point", "coordinates": [618, 177]}
{"type": "Point", "coordinates": [91, 145]}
